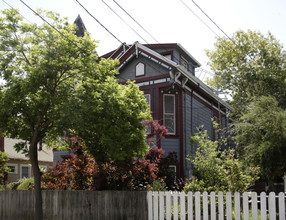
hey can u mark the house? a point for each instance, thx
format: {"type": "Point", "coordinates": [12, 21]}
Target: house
{"type": "Point", "coordinates": [177, 98]}
{"type": "Point", "coordinates": [19, 164]}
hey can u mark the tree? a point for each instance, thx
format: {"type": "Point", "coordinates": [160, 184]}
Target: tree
{"type": "Point", "coordinates": [3, 167]}
{"type": "Point", "coordinates": [109, 116]}
{"type": "Point", "coordinates": [40, 65]}
{"type": "Point", "coordinates": [247, 65]}
{"type": "Point", "coordinates": [261, 137]}
{"type": "Point", "coordinates": [218, 169]}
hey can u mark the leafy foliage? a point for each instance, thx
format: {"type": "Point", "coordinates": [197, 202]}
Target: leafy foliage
{"type": "Point", "coordinates": [3, 167]}
{"type": "Point", "coordinates": [26, 184]}
{"type": "Point", "coordinates": [81, 172]}
{"type": "Point", "coordinates": [261, 136]}
{"type": "Point", "coordinates": [248, 65]}
{"type": "Point", "coordinates": [218, 169]}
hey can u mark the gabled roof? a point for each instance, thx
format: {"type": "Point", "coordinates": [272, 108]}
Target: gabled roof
{"type": "Point", "coordinates": [125, 53]}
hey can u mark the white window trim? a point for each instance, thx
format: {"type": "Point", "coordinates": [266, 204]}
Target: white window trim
{"type": "Point", "coordinates": [174, 166]}
{"type": "Point", "coordinates": [14, 165]}
{"type": "Point", "coordinates": [170, 133]}
{"type": "Point", "coordinates": [29, 170]}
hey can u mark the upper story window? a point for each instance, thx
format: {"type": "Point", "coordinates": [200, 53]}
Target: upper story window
{"type": "Point", "coordinates": [169, 113]}
{"type": "Point", "coordinates": [184, 62]}
{"type": "Point", "coordinates": [140, 69]}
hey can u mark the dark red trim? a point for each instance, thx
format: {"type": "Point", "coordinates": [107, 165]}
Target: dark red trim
{"type": "Point", "coordinates": [170, 52]}
{"type": "Point", "coordinates": [2, 144]}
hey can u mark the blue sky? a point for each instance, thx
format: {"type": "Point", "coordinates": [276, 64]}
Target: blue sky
{"type": "Point", "coordinates": [168, 21]}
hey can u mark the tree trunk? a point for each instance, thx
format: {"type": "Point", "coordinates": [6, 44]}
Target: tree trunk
{"type": "Point", "coordinates": [37, 180]}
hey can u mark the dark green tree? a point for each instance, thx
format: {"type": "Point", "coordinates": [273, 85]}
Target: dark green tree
{"type": "Point", "coordinates": [261, 137]}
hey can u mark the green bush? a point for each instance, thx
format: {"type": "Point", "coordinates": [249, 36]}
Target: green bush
{"type": "Point", "coordinates": [27, 184]}
{"type": "Point", "coordinates": [14, 185]}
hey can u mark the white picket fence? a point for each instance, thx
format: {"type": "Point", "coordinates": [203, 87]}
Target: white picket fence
{"type": "Point", "coordinates": [178, 205]}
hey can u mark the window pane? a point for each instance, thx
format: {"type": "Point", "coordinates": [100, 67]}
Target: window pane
{"type": "Point", "coordinates": [169, 122]}
{"type": "Point", "coordinates": [25, 172]}
{"type": "Point", "coordinates": [12, 169]}
{"type": "Point", "coordinates": [169, 104]}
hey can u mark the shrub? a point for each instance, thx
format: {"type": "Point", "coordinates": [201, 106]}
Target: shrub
{"type": "Point", "coordinates": [27, 184]}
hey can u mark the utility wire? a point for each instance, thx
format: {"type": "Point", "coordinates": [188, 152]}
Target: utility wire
{"type": "Point", "coordinates": [134, 20]}
{"type": "Point", "coordinates": [222, 31]}
{"type": "Point", "coordinates": [82, 50]}
{"type": "Point", "coordinates": [124, 21]}
{"type": "Point", "coordinates": [98, 21]}
{"type": "Point", "coordinates": [199, 18]}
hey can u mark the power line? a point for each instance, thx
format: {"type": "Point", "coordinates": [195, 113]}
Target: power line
{"type": "Point", "coordinates": [199, 18]}
{"type": "Point", "coordinates": [135, 20]}
{"type": "Point", "coordinates": [124, 21]}
{"type": "Point", "coordinates": [98, 21]}
{"type": "Point", "coordinates": [82, 50]}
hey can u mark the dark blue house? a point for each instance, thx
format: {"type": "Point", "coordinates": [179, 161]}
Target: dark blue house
{"type": "Point", "coordinates": [177, 98]}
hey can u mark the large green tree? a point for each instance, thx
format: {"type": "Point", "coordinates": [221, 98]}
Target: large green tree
{"type": "Point", "coordinates": [109, 116]}
{"type": "Point", "coordinates": [261, 137]}
{"type": "Point", "coordinates": [249, 64]}
{"type": "Point", "coordinates": [49, 76]}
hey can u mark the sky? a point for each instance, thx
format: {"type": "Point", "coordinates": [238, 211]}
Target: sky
{"type": "Point", "coordinates": [166, 21]}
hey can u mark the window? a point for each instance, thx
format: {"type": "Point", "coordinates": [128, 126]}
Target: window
{"type": "Point", "coordinates": [172, 172]}
{"type": "Point", "coordinates": [25, 171]}
{"type": "Point", "coordinates": [169, 113]}
{"type": "Point", "coordinates": [140, 69]}
{"type": "Point", "coordinates": [13, 168]}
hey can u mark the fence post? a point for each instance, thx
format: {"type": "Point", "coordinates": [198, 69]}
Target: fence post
{"type": "Point", "coordinates": [254, 205]}
{"type": "Point", "coordinates": [149, 199]}
{"type": "Point", "coordinates": [183, 205]}
{"type": "Point", "coordinates": [245, 206]}
{"type": "Point", "coordinates": [198, 205]}
{"type": "Point", "coordinates": [190, 206]}
{"type": "Point", "coordinates": [272, 207]}
{"type": "Point", "coordinates": [161, 202]}
{"type": "Point", "coordinates": [228, 206]}
{"type": "Point", "coordinates": [237, 205]}
{"type": "Point", "coordinates": [205, 206]}
{"type": "Point", "coordinates": [175, 202]}
{"type": "Point", "coordinates": [220, 206]}
{"type": "Point", "coordinates": [155, 205]}
{"type": "Point", "coordinates": [281, 206]}
{"type": "Point", "coordinates": [213, 206]}
{"type": "Point", "coordinates": [263, 213]}
{"type": "Point", "coordinates": [168, 205]}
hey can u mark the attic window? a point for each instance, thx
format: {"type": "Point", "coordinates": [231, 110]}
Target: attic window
{"type": "Point", "coordinates": [140, 69]}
